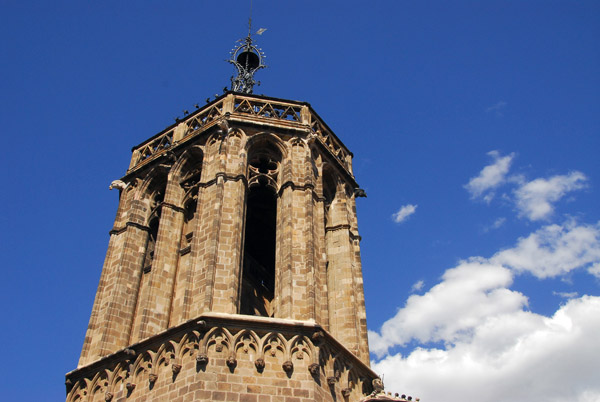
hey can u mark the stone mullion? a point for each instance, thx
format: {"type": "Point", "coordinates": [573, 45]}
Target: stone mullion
{"type": "Point", "coordinates": [196, 286]}
{"type": "Point", "coordinates": [205, 247]}
{"type": "Point", "coordinates": [283, 264]}
{"type": "Point", "coordinates": [321, 302]}
{"type": "Point", "coordinates": [181, 291]}
{"type": "Point", "coordinates": [183, 279]}
{"type": "Point", "coordinates": [340, 266]}
{"type": "Point", "coordinates": [229, 239]}
{"type": "Point", "coordinates": [301, 271]}
{"type": "Point", "coordinates": [311, 261]}
{"type": "Point", "coordinates": [361, 314]}
{"type": "Point", "coordinates": [239, 218]}
{"type": "Point", "coordinates": [123, 296]}
{"type": "Point", "coordinates": [332, 286]}
{"type": "Point", "coordinates": [156, 303]}
{"type": "Point", "coordinates": [213, 245]}
{"type": "Point", "coordinates": [340, 274]}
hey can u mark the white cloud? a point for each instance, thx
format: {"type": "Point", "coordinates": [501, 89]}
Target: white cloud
{"type": "Point", "coordinates": [595, 270]}
{"type": "Point", "coordinates": [449, 311]}
{"type": "Point", "coordinates": [534, 199]}
{"type": "Point", "coordinates": [566, 295]}
{"type": "Point", "coordinates": [515, 356]}
{"type": "Point", "coordinates": [478, 287]}
{"type": "Point", "coordinates": [404, 212]}
{"type": "Point", "coordinates": [498, 223]}
{"type": "Point", "coordinates": [493, 348]}
{"type": "Point", "coordinates": [490, 177]}
{"type": "Point", "coordinates": [553, 250]}
{"type": "Point", "coordinates": [417, 286]}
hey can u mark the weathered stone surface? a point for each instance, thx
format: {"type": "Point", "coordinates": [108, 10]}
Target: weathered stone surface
{"type": "Point", "coordinates": [246, 206]}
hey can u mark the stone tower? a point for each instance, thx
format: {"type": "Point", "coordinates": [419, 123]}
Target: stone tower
{"type": "Point", "coordinates": [233, 268]}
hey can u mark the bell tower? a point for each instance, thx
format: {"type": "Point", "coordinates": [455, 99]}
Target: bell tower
{"type": "Point", "coordinates": [233, 268]}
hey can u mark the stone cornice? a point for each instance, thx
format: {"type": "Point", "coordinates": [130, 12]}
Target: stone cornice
{"type": "Point", "coordinates": [233, 323]}
{"type": "Point", "coordinates": [128, 224]}
{"type": "Point", "coordinates": [173, 207]}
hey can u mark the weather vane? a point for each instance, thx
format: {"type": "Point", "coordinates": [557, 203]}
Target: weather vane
{"type": "Point", "coordinates": [247, 59]}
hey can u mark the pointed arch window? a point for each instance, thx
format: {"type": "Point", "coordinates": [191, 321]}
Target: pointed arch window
{"type": "Point", "coordinates": [257, 288]}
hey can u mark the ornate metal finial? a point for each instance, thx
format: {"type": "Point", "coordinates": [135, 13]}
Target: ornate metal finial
{"type": "Point", "coordinates": [247, 59]}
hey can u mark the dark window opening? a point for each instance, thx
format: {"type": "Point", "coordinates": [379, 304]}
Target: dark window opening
{"type": "Point", "coordinates": [258, 275]}
{"type": "Point", "coordinates": [188, 226]}
{"type": "Point", "coordinates": [152, 235]}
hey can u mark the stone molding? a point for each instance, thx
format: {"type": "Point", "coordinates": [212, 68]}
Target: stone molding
{"type": "Point", "coordinates": [231, 336]}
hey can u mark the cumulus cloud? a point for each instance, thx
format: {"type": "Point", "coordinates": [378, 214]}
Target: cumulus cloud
{"type": "Point", "coordinates": [449, 311]}
{"type": "Point", "coordinates": [490, 177]}
{"type": "Point", "coordinates": [534, 199]}
{"type": "Point", "coordinates": [404, 212]}
{"type": "Point", "coordinates": [514, 356]}
{"type": "Point", "coordinates": [554, 250]}
{"type": "Point", "coordinates": [488, 346]}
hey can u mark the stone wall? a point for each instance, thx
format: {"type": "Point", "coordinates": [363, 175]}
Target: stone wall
{"type": "Point", "coordinates": [176, 253]}
{"type": "Point", "coordinates": [221, 357]}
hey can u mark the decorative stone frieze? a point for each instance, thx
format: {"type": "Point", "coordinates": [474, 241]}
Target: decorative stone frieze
{"type": "Point", "coordinates": [242, 339]}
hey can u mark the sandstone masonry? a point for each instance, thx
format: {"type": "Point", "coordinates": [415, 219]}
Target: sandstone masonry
{"type": "Point", "coordinates": [233, 269]}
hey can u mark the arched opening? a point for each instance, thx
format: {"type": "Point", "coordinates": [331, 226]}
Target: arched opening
{"type": "Point", "coordinates": [189, 220]}
{"type": "Point", "coordinates": [258, 272]}
{"type": "Point", "coordinates": [329, 191]}
{"type": "Point", "coordinates": [155, 207]}
{"type": "Point", "coordinates": [150, 245]}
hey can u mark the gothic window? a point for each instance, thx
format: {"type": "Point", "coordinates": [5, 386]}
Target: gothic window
{"type": "Point", "coordinates": [329, 190]}
{"type": "Point", "coordinates": [188, 226]}
{"type": "Point", "coordinates": [258, 279]}
{"type": "Point", "coordinates": [156, 200]}
{"type": "Point", "coordinates": [258, 270]}
{"type": "Point", "coordinates": [150, 245]}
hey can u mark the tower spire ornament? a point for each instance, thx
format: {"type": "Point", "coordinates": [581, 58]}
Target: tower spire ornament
{"type": "Point", "coordinates": [247, 59]}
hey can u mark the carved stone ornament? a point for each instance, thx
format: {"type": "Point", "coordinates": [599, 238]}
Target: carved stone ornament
{"type": "Point", "coordinates": [260, 363]}
{"type": "Point", "coordinates": [108, 397]}
{"type": "Point", "coordinates": [176, 368]}
{"type": "Point", "coordinates": [288, 366]}
{"type": "Point", "coordinates": [318, 337]}
{"type": "Point", "coordinates": [231, 362]}
{"type": "Point", "coordinates": [331, 380]}
{"type": "Point", "coordinates": [152, 378]}
{"type": "Point", "coordinates": [202, 359]}
{"type": "Point", "coordinates": [314, 369]}
{"type": "Point", "coordinates": [346, 392]}
{"type": "Point", "coordinates": [130, 386]}
{"type": "Point", "coordinates": [377, 385]}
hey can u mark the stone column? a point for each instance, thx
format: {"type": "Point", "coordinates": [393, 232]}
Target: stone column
{"type": "Point", "coordinates": [118, 289]}
{"type": "Point", "coordinates": [154, 307]}
{"type": "Point", "coordinates": [360, 311]}
{"type": "Point", "coordinates": [340, 273]}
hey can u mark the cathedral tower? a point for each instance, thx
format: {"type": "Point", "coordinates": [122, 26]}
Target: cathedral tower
{"type": "Point", "coordinates": [233, 268]}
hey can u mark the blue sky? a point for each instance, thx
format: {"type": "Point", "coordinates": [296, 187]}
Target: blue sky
{"type": "Point", "coordinates": [475, 131]}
